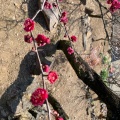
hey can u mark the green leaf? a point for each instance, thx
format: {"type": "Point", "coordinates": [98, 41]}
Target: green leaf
{"type": "Point", "coordinates": [104, 74]}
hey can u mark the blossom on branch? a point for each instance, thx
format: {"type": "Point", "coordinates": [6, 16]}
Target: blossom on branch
{"type": "Point", "coordinates": [54, 5]}
{"type": "Point", "coordinates": [39, 96]}
{"type": "Point", "coordinates": [115, 4]}
{"type": "Point", "coordinates": [70, 50]}
{"type": "Point", "coordinates": [42, 40]}
{"type": "Point", "coordinates": [47, 5]}
{"type": "Point", "coordinates": [59, 118]}
{"type": "Point", "coordinates": [109, 1]}
{"type": "Point", "coordinates": [73, 38]}
{"type": "Point", "coordinates": [64, 18]}
{"type": "Point", "coordinates": [111, 69]}
{"type": "Point", "coordinates": [60, 0]}
{"type": "Point", "coordinates": [33, 49]}
{"type": "Point", "coordinates": [46, 68]}
{"type": "Point", "coordinates": [29, 25]}
{"type": "Point", "coordinates": [52, 76]}
{"type": "Point", "coordinates": [28, 38]}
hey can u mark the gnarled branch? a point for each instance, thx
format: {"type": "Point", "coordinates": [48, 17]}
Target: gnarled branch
{"type": "Point", "coordinates": [93, 80]}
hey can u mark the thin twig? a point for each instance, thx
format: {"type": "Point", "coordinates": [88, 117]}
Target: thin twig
{"type": "Point", "coordinates": [39, 60]}
{"type": "Point", "coordinates": [102, 14]}
{"type": "Point", "coordinates": [65, 28]}
{"type": "Point", "coordinates": [48, 107]}
{"type": "Point", "coordinates": [39, 10]}
{"type": "Point", "coordinates": [44, 86]}
{"type": "Point", "coordinates": [37, 53]}
{"type": "Point", "coordinates": [66, 32]}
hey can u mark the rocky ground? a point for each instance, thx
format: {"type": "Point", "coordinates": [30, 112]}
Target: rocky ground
{"type": "Point", "coordinates": [17, 83]}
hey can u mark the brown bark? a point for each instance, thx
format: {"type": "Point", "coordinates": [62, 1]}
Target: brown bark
{"type": "Point", "coordinates": [56, 105]}
{"type": "Point", "coordinates": [93, 80]}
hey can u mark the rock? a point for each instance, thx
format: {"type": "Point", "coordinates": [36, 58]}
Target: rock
{"type": "Point", "coordinates": [25, 104]}
{"type": "Point", "coordinates": [90, 5]}
{"type": "Point", "coordinates": [26, 116]}
{"type": "Point", "coordinates": [115, 41]}
{"type": "Point", "coordinates": [116, 77]}
{"type": "Point", "coordinates": [24, 7]}
{"type": "Point", "coordinates": [12, 103]}
{"type": "Point", "coordinates": [3, 112]}
{"type": "Point", "coordinates": [86, 32]}
{"type": "Point", "coordinates": [51, 15]}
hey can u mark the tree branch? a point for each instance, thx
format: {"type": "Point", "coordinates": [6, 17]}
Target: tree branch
{"type": "Point", "coordinates": [84, 72]}
{"type": "Point", "coordinates": [90, 78]}
{"type": "Point", "coordinates": [56, 105]}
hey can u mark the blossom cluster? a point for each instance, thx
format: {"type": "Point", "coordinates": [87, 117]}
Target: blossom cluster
{"type": "Point", "coordinates": [40, 95]}
{"type": "Point", "coordinates": [48, 5]}
{"type": "Point", "coordinates": [29, 25]}
{"type": "Point", "coordinates": [56, 114]}
{"type": "Point", "coordinates": [93, 58]}
{"type": "Point", "coordinates": [64, 18]}
{"type": "Point", "coordinates": [59, 118]}
{"type": "Point", "coordinates": [115, 4]}
{"type": "Point", "coordinates": [42, 40]}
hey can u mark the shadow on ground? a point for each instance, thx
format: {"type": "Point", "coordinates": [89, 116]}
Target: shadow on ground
{"type": "Point", "coordinates": [32, 9]}
{"type": "Point", "coordinates": [14, 93]}
{"type": "Point", "coordinates": [12, 96]}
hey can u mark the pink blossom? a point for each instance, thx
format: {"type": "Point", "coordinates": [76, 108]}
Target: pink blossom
{"type": "Point", "coordinates": [54, 5]}
{"type": "Point", "coordinates": [52, 77]}
{"type": "Point", "coordinates": [28, 38]}
{"type": "Point", "coordinates": [111, 69]}
{"type": "Point", "coordinates": [73, 38]}
{"type": "Point", "coordinates": [70, 50]}
{"type": "Point", "coordinates": [47, 5]}
{"type": "Point", "coordinates": [65, 35]}
{"type": "Point", "coordinates": [64, 14]}
{"type": "Point", "coordinates": [60, 0]}
{"type": "Point", "coordinates": [42, 40]}
{"type": "Point", "coordinates": [39, 96]}
{"type": "Point", "coordinates": [64, 18]}
{"type": "Point", "coordinates": [46, 68]}
{"type": "Point", "coordinates": [109, 1]}
{"type": "Point", "coordinates": [29, 25]}
{"type": "Point", "coordinates": [115, 4]}
{"type": "Point", "coordinates": [59, 118]}
{"type": "Point", "coordinates": [33, 49]}
{"type": "Point", "coordinates": [55, 113]}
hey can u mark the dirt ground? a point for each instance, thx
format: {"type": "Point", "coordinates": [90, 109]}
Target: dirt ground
{"type": "Point", "coordinates": [14, 55]}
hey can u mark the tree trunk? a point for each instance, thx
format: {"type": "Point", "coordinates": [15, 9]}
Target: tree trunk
{"type": "Point", "coordinates": [93, 80]}
{"type": "Point", "coordinates": [56, 105]}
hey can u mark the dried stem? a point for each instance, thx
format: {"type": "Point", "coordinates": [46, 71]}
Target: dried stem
{"type": "Point", "coordinates": [66, 32]}
{"type": "Point", "coordinates": [44, 86]}
{"type": "Point", "coordinates": [48, 107]}
{"type": "Point", "coordinates": [39, 60]}
{"type": "Point", "coordinates": [104, 24]}
{"type": "Point", "coordinates": [35, 45]}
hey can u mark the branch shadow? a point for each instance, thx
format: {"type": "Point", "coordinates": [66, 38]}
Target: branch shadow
{"type": "Point", "coordinates": [32, 9]}
{"type": "Point", "coordinates": [14, 93]}
{"type": "Point", "coordinates": [83, 2]}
